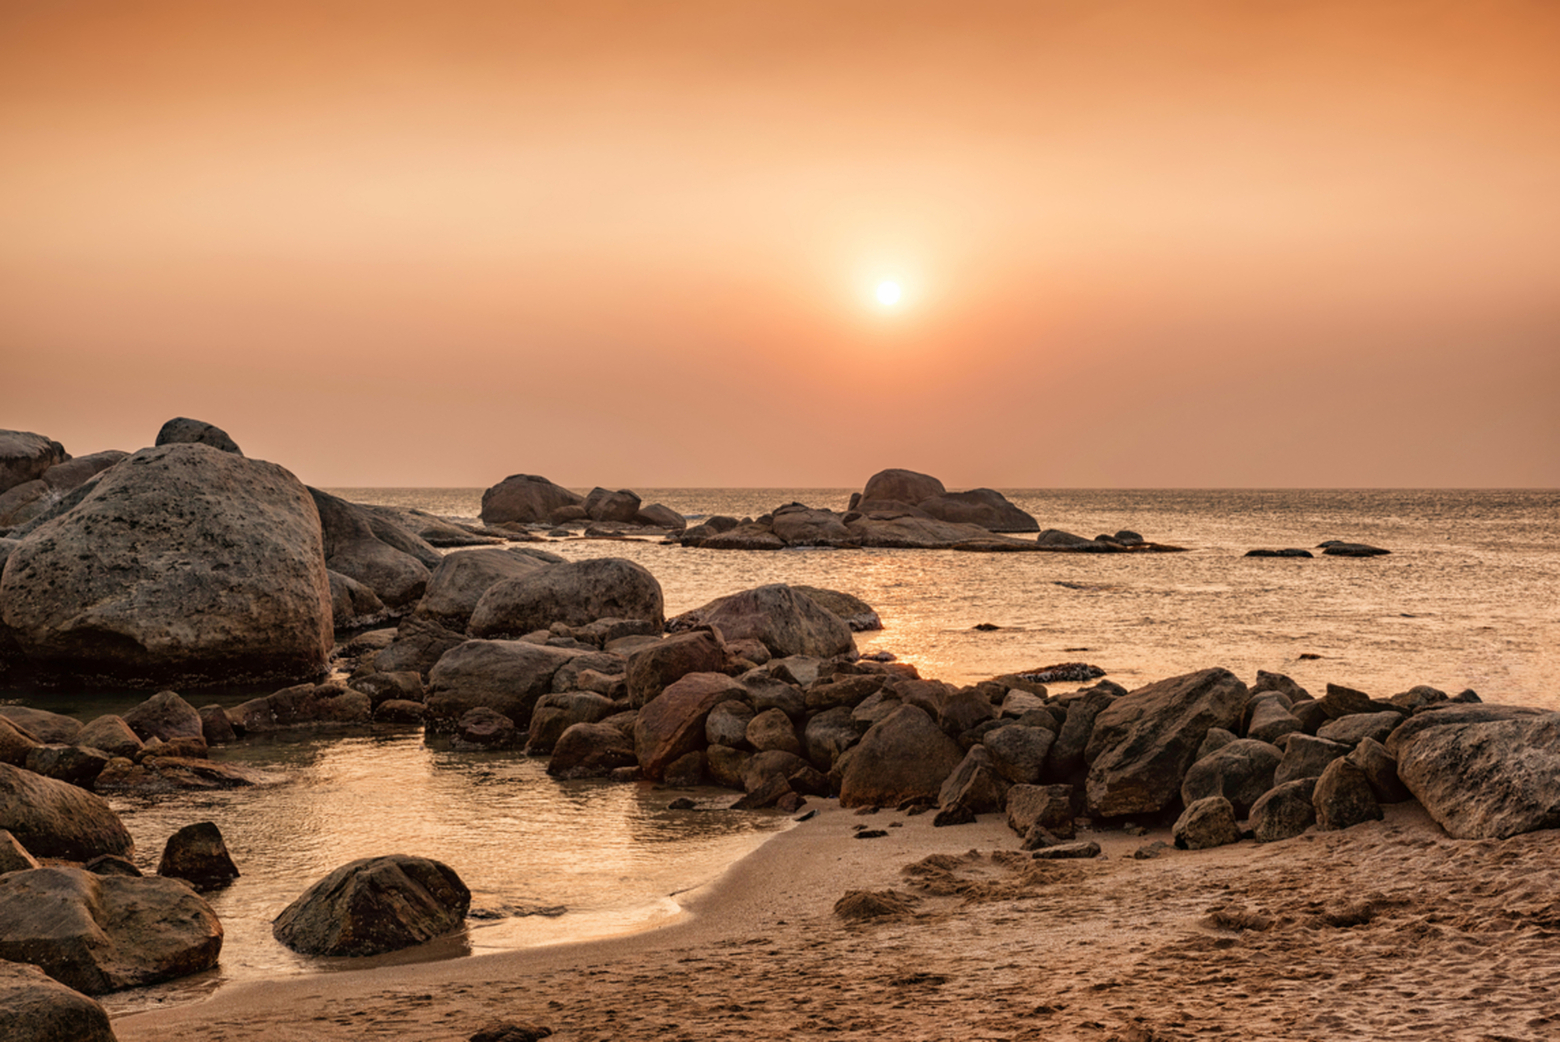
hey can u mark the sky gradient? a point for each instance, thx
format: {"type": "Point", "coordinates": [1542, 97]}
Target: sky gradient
{"type": "Point", "coordinates": [1160, 243]}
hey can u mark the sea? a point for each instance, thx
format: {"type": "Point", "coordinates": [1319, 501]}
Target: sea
{"type": "Point", "coordinates": [1468, 598]}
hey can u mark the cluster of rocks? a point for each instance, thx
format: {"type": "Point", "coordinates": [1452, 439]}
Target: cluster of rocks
{"type": "Point", "coordinates": [522, 500]}
{"type": "Point", "coordinates": [1331, 548]}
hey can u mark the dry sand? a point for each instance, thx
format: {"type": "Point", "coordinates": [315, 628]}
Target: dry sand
{"type": "Point", "coordinates": [1388, 930]}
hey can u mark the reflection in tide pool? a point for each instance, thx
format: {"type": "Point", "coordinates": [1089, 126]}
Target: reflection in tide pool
{"type": "Point", "coordinates": [611, 856]}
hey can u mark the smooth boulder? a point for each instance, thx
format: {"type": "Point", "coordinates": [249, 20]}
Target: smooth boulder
{"type": "Point", "coordinates": [375, 905]}
{"type": "Point", "coordinates": [574, 593]}
{"type": "Point", "coordinates": [904, 756]}
{"type": "Point", "coordinates": [103, 933]}
{"type": "Point", "coordinates": [672, 724]}
{"type": "Point", "coordinates": [506, 675]}
{"type": "Point", "coordinates": [784, 620]}
{"type": "Point", "coordinates": [460, 580]}
{"type": "Point", "coordinates": [525, 499]}
{"type": "Point", "coordinates": [55, 819]}
{"type": "Point", "coordinates": [183, 565]}
{"type": "Point", "coordinates": [36, 1008]}
{"type": "Point", "coordinates": [198, 855]}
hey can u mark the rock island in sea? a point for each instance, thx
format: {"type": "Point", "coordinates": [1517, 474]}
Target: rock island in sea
{"type": "Point", "coordinates": [1194, 856]}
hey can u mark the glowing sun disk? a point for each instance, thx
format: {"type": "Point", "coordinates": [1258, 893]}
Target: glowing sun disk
{"type": "Point", "coordinates": [888, 292]}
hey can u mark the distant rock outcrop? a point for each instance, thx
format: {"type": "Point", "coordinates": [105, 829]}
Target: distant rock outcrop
{"type": "Point", "coordinates": [982, 507]}
{"type": "Point", "coordinates": [525, 499]}
{"type": "Point", "coordinates": [25, 456]}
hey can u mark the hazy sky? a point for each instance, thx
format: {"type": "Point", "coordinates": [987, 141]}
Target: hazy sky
{"type": "Point", "coordinates": [1154, 243]}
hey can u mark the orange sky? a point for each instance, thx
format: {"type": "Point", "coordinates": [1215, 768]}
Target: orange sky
{"type": "Point", "coordinates": [1155, 243]}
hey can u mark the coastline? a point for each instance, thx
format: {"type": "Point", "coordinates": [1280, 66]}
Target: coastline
{"type": "Point", "coordinates": [1385, 930]}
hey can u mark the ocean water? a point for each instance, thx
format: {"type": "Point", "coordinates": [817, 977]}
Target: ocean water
{"type": "Point", "coordinates": [1469, 597]}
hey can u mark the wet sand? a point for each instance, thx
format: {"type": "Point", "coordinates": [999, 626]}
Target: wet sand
{"type": "Point", "coordinates": [1388, 930]}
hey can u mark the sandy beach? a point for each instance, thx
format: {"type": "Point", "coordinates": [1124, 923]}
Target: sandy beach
{"type": "Point", "coordinates": [1387, 930]}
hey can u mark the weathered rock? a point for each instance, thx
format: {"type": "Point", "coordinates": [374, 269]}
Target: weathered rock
{"type": "Point", "coordinates": [906, 756]}
{"type": "Point", "coordinates": [800, 776]}
{"type": "Point", "coordinates": [183, 564]}
{"type": "Point", "coordinates": [574, 593]}
{"type": "Point", "coordinates": [1284, 811]}
{"type": "Point", "coordinates": [1343, 797]}
{"type": "Point", "coordinates": [372, 551]}
{"type": "Point", "coordinates": [1047, 807]}
{"type": "Point", "coordinates": [1144, 742]}
{"type": "Point", "coordinates": [67, 763]}
{"type": "Point", "coordinates": [848, 690]}
{"type": "Point", "coordinates": [460, 580]}
{"type": "Point", "coordinates": [159, 775]}
{"type": "Point", "coordinates": [783, 620]}
{"type": "Point", "coordinates": [419, 644]}
{"type": "Point", "coordinates": [25, 456]}
{"type": "Point", "coordinates": [526, 499]}
{"type": "Point", "coordinates": [1380, 770]}
{"type": "Point", "coordinates": [965, 710]}
{"type": "Point", "coordinates": [375, 905]}
{"type": "Point", "coordinates": [485, 728]}
{"type": "Point", "coordinates": [382, 687]}
{"type": "Point", "coordinates": [1208, 822]}
{"type": "Point", "coordinates": [1066, 755]}
{"type": "Point", "coordinates": [555, 713]}
{"type": "Point", "coordinates": [36, 1008]}
{"type": "Point", "coordinates": [1271, 718]}
{"type": "Point", "coordinates": [13, 856]}
{"type": "Point", "coordinates": [1216, 738]}
{"type": "Point", "coordinates": [1355, 728]}
{"type": "Point", "coordinates": [55, 819]}
{"type": "Point", "coordinates": [658, 516]}
{"type": "Point", "coordinates": [827, 735]}
{"type": "Point", "coordinates": [604, 505]}
{"type": "Point", "coordinates": [974, 784]}
{"type": "Point", "coordinates": [1068, 852]}
{"type": "Point", "coordinates": [400, 711]}
{"type": "Point", "coordinates": [912, 529]}
{"type": "Point", "coordinates": [672, 724]}
{"type": "Point", "coordinates": [653, 667]}
{"type": "Point", "coordinates": [506, 675]}
{"type": "Point", "coordinates": [1018, 753]}
{"type": "Point", "coordinates": [1416, 698]}
{"type": "Point", "coordinates": [353, 605]}
{"type": "Point", "coordinates": [111, 734]}
{"type": "Point", "coordinates": [1279, 683]}
{"type": "Point", "coordinates": [330, 704]}
{"type": "Point", "coordinates": [856, 613]}
{"type": "Point", "coordinates": [113, 865]}
{"type": "Point", "coordinates": [1489, 779]}
{"type": "Point", "coordinates": [198, 854]}
{"type": "Point", "coordinates": [1336, 548]}
{"type": "Point", "coordinates": [1343, 701]}
{"type": "Point", "coordinates": [1306, 757]}
{"type": "Point", "coordinates": [184, 431]}
{"type": "Point", "coordinates": [41, 725]}
{"type": "Point", "coordinates": [773, 730]}
{"type": "Point", "coordinates": [165, 715]}
{"type": "Point", "coordinates": [102, 933]}
{"type": "Point", "coordinates": [591, 751]}
{"type": "Point", "coordinates": [1453, 714]}
{"type": "Point", "coordinates": [796, 525]}
{"type": "Point", "coordinates": [15, 743]}
{"type": "Point", "coordinates": [1240, 772]}
{"type": "Point", "coordinates": [728, 722]}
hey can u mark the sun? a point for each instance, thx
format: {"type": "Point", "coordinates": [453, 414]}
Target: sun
{"type": "Point", "coordinates": [888, 293]}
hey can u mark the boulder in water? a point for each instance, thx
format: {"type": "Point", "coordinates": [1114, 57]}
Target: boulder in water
{"type": "Point", "coordinates": [574, 593]}
{"type": "Point", "coordinates": [198, 854]}
{"type": "Point", "coordinates": [55, 819]}
{"type": "Point", "coordinates": [526, 499]}
{"type": "Point", "coordinates": [375, 905]}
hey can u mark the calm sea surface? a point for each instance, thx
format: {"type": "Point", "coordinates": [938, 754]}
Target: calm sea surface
{"type": "Point", "coordinates": [1469, 597]}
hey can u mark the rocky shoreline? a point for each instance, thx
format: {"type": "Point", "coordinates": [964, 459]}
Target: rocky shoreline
{"type": "Point", "coordinates": [188, 564]}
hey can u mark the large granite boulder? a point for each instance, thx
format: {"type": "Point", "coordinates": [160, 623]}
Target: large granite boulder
{"type": "Point", "coordinates": [798, 525]}
{"type": "Point", "coordinates": [103, 933]}
{"type": "Point", "coordinates": [852, 610]}
{"type": "Point", "coordinates": [904, 756]}
{"type": "Point", "coordinates": [1486, 779]}
{"type": "Point", "coordinates": [25, 456]}
{"type": "Point", "coordinates": [672, 723]}
{"type": "Point", "coordinates": [353, 605]}
{"type": "Point", "coordinates": [460, 580]}
{"type": "Point", "coordinates": [1240, 772]}
{"type": "Point", "coordinates": [375, 905]}
{"type": "Point", "coordinates": [912, 529]}
{"type": "Point", "coordinates": [419, 644]}
{"type": "Point", "coordinates": [506, 675]}
{"type": "Point", "coordinates": [1144, 742]}
{"type": "Point", "coordinates": [36, 1008]}
{"type": "Point", "coordinates": [526, 499]}
{"type": "Point", "coordinates": [30, 499]}
{"type": "Point", "coordinates": [574, 593]}
{"type": "Point", "coordinates": [983, 507]}
{"type": "Point", "coordinates": [897, 485]}
{"type": "Point", "coordinates": [183, 565]}
{"type": "Point", "coordinates": [54, 819]}
{"type": "Point", "coordinates": [184, 431]}
{"type": "Point", "coordinates": [43, 725]}
{"type": "Point", "coordinates": [370, 549]}
{"type": "Point", "coordinates": [15, 743]}
{"type": "Point", "coordinates": [1306, 756]}
{"type": "Point", "coordinates": [605, 505]}
{"type": "Point", "coordinates": [331, 704]}
{"type": "Point", "coordinates": [784, 620]}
